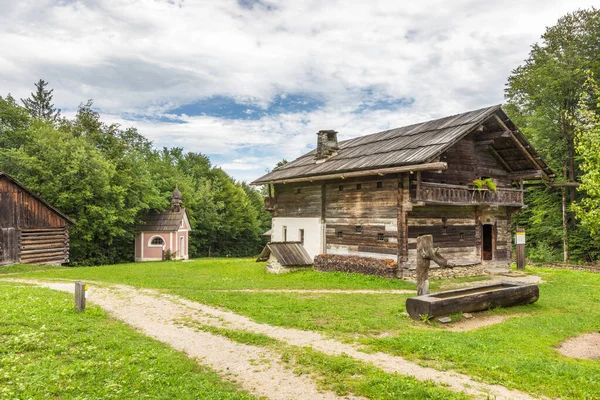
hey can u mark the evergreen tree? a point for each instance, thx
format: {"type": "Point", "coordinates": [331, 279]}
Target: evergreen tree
{"type": "Point", "coordinates": [39, 104]}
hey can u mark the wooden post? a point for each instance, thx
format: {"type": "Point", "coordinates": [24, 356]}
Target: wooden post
{"type": "Point", "coordinates": [80, 289]}
{"type": "Point", "coordinates": [520, 244]}
{"type": "Point", "coordinates": [425, 254]}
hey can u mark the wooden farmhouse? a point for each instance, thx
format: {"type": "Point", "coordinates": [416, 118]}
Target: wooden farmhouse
{"type": "Point", "coordinates": [164, 231]}
{"type": "Point", "coordinates": [31, 230]}
{"type": "Point", "coordinates": [373, 195]}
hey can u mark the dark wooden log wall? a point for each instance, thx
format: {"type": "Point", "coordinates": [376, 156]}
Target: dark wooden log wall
{"type": "Point", "coordinates": [31, 231]}
{"type": "Point", "coordinates": [457, 230]}
{"type": "Point", "coordinates": [467, 161]}
{"type": "Point", "coordinates": [296, 200]}
{"type": "Point", "coordinates": [373, 206]}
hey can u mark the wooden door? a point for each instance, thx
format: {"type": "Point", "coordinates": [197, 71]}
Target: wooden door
{"type": "Point", "coordinates": [9, 246]}
{"type": "Point", "coordinates": [487, 242]}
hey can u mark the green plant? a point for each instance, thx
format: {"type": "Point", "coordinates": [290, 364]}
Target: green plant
{"type": "Point", "coordinates": [486, 182]}
{"type": "Point", "coordinates": [169, 255]}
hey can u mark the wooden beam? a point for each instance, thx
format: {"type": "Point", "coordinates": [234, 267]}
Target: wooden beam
{"type": "Point", "coordinates": [529, 174]}
{"type": "Point", "coordinates": [499, 158]}
{"type": "Point", "coordinates": [436, 166]}
{"type": "Point", "coordinates": [491, 136]}
{"type": "Point", "coordinates": [554, 184]}
{"type": "Point", "coordinates": [521, 147]}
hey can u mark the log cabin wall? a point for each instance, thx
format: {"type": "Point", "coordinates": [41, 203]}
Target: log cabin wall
{"type": "Point", "coordinates": [32, 232]}
{"type": "Point", "coordinates": [458, 232]}
{"type": "Point", "coordinates": [361, 216]}
{"type": "Point", "coordinates": [467, 161]}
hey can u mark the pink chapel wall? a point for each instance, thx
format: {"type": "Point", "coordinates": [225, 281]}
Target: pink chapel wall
{"type": "Point", "coordinates": [146, 252]}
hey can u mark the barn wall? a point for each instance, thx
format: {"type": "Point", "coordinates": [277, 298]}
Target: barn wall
{"type": "Point", "coordinates": [32, 233]}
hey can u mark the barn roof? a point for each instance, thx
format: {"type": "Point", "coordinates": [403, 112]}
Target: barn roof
{"type": "Point", "coordinates": [288, 254]}
{"type": "Point", "coordinates": [162, 220]}
{"type": "Point", "coordinates": [409, 145]}
{"type": "Point", "coordinates": [24, 188]}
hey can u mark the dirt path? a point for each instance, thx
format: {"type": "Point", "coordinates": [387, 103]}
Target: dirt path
{"type": "Point", "coordinates": [255, 368]}
{"type": "Point", "coordinates": [157, 314]}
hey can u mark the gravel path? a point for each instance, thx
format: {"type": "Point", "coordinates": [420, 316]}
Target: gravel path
{"type": "Point", "coordinates": [257, 369]}
{"type": "Point", "coordinates": [158, 314]}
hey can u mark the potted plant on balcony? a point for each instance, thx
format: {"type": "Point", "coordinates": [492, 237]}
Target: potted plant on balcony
{"type": "Point", "coordinates": [486, 184]}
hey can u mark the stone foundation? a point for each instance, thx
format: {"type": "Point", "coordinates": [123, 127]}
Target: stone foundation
{"type": "Point", "coordinates": [450, 273]}
{"type": "Point", "coordinates": [275, 267]}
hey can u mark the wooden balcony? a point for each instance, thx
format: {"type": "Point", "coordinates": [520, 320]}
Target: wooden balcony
{"type": "Point", "coordinates": [438, 193]}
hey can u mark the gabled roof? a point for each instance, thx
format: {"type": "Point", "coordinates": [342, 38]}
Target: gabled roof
{"type": "Point", "coordinates": [409, 145]}
{"type": "Point", "coordinates": [288, 254]}
{"type": "Point", "coordinates": [161, 221]}
{"type": "Point", "coordinates": [50, 206]}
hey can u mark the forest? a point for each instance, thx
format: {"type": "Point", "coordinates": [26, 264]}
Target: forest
{"type": "Point", "coordinates": [106, 178]}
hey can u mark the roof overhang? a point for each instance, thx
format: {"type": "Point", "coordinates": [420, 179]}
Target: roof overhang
{"type": "Point", "coordinates": [435, 166]}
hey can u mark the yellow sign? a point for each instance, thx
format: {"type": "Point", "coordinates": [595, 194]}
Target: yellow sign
{"type": "Point", "coordinates": [85, 287]}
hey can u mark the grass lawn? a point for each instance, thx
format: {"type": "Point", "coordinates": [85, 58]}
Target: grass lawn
{"type": "Point", "coordinates": [47, 350]}
{"type": "Point", "coordinates": [519, 353]}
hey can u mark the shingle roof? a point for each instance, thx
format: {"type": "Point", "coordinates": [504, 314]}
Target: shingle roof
{"type": "Point", "coordinates": [288, 254]}
{"type": "Point", "coordinates": [162, 221]}
{"type": "Point", "coordinates": [408, 145]}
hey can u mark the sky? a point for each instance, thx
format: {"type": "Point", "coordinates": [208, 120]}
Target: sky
{"type": "Point", "coordinates": [250, 82]}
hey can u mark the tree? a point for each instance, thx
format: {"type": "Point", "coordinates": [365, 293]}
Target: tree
{"type": "Point", "coordinates": [543, 94]}
{"type": "Point", "coordinates": [587, 141]}
{"type": "Point", "coordinates": [39, 104]}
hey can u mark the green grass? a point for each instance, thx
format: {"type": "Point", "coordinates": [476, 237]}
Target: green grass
{"type": "Point", "coordinates": [519, 353]}
{"type": "Point", "coordinates": [218, 274]}
{"type": "Point", "coordinates": [47, 350]}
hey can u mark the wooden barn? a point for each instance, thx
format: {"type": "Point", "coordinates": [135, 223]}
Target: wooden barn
{"type": "Point", "coordinates": [31, 230]}
{"type": "Point", "coordinates": [458, 178]}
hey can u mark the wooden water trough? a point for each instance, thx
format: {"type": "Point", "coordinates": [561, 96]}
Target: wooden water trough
{"type": "Point", "coordinates": [472, 299]}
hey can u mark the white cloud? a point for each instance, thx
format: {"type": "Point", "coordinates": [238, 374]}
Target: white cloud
{"type": "Point", "coordinates": [146, 57]}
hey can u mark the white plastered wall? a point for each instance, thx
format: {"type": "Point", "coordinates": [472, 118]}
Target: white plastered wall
{"type": "Point", "coordinates": [313, 232]}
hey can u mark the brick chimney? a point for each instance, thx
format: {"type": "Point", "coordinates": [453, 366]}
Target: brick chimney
{"type": "Point", "coordinates": [327, 144]}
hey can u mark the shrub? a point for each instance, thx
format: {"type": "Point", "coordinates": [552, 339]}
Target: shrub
{"type": "Point", "coordinates": [355, 264]}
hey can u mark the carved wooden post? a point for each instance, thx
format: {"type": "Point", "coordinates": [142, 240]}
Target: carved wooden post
{"type": "Point", "coordinates": [425, 254]}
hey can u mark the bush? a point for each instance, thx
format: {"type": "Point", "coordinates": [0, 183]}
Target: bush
{"type": "Point", "coordinates": [355, 264]}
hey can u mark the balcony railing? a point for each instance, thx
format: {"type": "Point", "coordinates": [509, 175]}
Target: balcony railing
{"type": "Point", "coordinates": [438, 193]}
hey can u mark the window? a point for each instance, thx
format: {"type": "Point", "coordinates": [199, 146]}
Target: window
{"type": "Point", "coordinates": [341, 188]}
{"type": "Point", "coordinates": [340, 235]}
{"type": "Point", "coordinates": [285, 233]}
{"type": "Point", "coordinates": [444, 230]}
{"type": "Point", "coordinates": [156, 241]}
{"type": "Point", "coordinates": [358, 186]}
{"type": "Point", "coordinates": [461, 236]}
{"type": "Point", "coordinates": [379, 185]}
{"type": "Point", "coordinates": [358, 229]}
{"type": "Point", "coordinates": [381, 237]}
{"type": "Point", "coordinates": [301, 235]}
{"type": "Point", "coordinates": [298, 191]}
